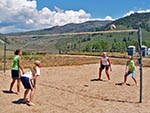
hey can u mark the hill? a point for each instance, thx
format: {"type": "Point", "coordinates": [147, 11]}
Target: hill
{"type": "Point", "coordinates": [116, 42]}
{"type": "Point", "coordinates": [134, 21]}
{"type": "Point", "coordinates": [68, 28]}
{"type": "Point", "coordinates": [47, 43]}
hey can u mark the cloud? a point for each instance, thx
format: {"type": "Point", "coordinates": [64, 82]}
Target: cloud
{"type": "Point", "coordinates": [129, 13]}
{"type": "Point", "coordinates": [140, 11]}
{"type": "Point", "coordinates": [22, 15]}
{"type": "Point", "coordinates": [60, 17]}
{"type": "Point", "coordinates": [15, 13]}
{"type": "Point", "coordinates": [107, 18]}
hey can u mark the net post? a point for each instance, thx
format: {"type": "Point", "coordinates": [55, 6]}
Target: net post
{"type": "Point", "coordinates": [5, 55]}
{"type": "Point", "coordinates": [140, 61]}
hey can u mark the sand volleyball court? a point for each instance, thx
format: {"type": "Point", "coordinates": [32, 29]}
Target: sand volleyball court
{"type": "Point", "coordinates": [74, 89]}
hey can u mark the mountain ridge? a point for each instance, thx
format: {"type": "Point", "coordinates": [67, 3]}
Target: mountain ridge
{"type": "Point", "coordinates": [93, 42]}
{"type": "Point", "coordinates": [71, 27]}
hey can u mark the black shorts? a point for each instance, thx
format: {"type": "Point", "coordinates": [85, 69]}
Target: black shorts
{"type": "Point", "coordinates": [104, 66]}
{"type": "Point", "coordinates": [15, 74]}
{"type": "Point", "coordinates": [27, 83]}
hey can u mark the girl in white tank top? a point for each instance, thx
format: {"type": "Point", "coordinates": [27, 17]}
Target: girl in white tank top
{"type": "Point", "coordinates": [104, 64]}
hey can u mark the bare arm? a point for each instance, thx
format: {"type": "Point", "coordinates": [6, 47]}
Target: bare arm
{"type": "Point", "coordinates": [100, 62]}
{"type": "Point", "coordinates": [20, 65]}
{"type": "Point", "coordinates": [34, 80]}
{"type": "Point", "coordinates": [109, 64]}
{"type": "Point", "coordinates": [126, 69]}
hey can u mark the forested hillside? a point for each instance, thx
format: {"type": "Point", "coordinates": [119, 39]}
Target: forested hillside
{"type": "Point", "coordinates": [117, 42]}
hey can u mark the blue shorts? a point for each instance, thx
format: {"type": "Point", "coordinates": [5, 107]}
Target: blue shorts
{"type": "Point", "coordinates": [15, 74]}
{"type": "Point", "coordinates": [27, 83]}
{"type": "Point", "coordinates": [129, 72]}
{"type": "Point", "coordinates": [104, 66]}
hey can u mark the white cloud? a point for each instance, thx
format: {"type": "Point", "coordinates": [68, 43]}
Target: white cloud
{"type": "Point", "coordinates": [16, 13]}
{"type": "Point", "coordinates": [140, 11]}
{"type": "Point", "coordinates": [148, 11]}
{"type": "Point", "coordinates": [129, 13]}
{"type": "Point", "coordinates": [58, 9]}
{"type": "Point", "coordinates": [108, 18]}
{"type": "Point", "coordinates": [22, 15]}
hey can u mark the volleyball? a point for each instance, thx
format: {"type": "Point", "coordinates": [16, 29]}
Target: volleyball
{"type": "Point", "coordinates": [112, 27]}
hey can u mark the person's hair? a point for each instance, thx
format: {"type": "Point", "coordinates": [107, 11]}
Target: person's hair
{"type": "Point", "coordinates": [33, 68]}
{"type": "Point", "coordinates": [17, 51]}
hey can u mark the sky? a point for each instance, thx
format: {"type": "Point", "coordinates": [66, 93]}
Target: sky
{"type": "Point", "coordinates": [26, 15]}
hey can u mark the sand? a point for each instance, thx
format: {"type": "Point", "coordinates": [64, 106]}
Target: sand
{"type": "Point", "coordinates": [73, 89]}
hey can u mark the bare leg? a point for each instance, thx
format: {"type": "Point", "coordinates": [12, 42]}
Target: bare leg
{"type": "Point", "coordinates": [25, 94]}
{"type": "Point", "coordinates": [100, 72]}
{"type": "Point", "coordinates": [125, 77]}
{"type": "Point", "coordinates": [12, 84]}
{"type": "Point", "coordinates": [31, 97]}
{"type": "Point", "coordinates": [134, 81]}
{"type": "Point", "coordinates": [107, 74]}
{"type": "Point", "coordinates": [18, 86]}
{"type": "Point", "coordinates": [32, 94]}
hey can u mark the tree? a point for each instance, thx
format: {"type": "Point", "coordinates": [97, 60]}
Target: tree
{"type": "Point", "coordinates": [118, 47]}
{"type": "Point", "coordinates": [105, 45]}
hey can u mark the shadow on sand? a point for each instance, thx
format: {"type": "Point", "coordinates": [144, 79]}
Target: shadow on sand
{"type": "Point", "coordinates": [120, 101]}
{"type": "Point", "coordinates": [97, 79]}
{"type": "Point", "coordinates": [120, 84]}
{"type": "Point", "coordinates": [19, 101]}
{"type": "Point", "coordinates": [9, 92]}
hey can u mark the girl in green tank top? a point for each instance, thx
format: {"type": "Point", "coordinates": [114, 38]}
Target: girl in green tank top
{"type": "Point", "coordinates": [130, 69]}
{"type": "Point", "coordinates": [15, 65]}
{"type": "Point", "coordinates": [15, 71]}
